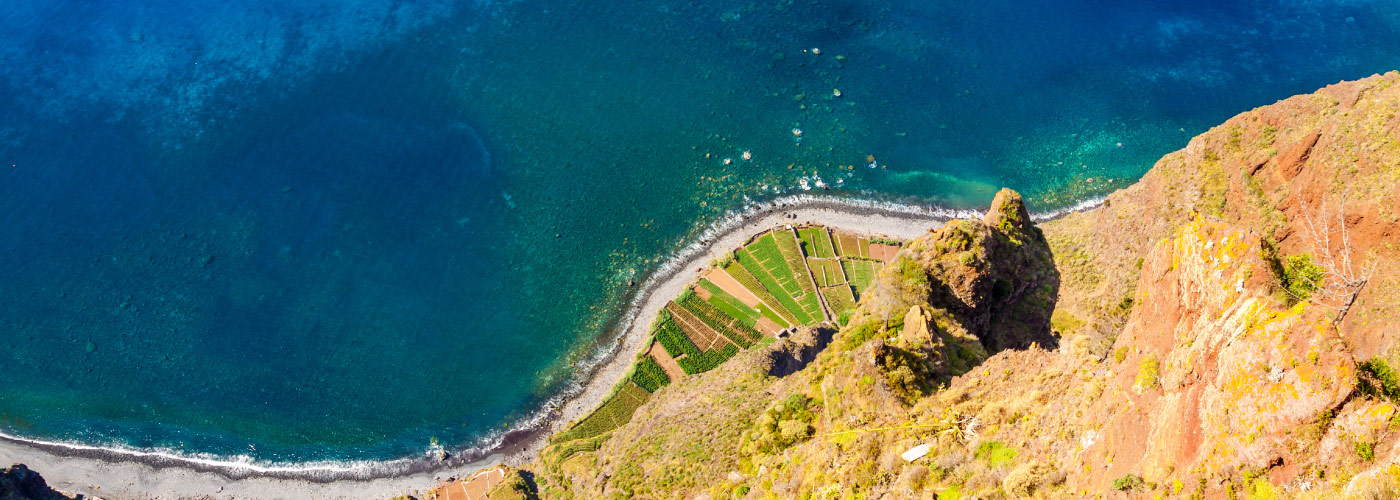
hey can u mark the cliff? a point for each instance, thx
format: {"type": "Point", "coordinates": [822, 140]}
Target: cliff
{"type": "Point", "coordinates": [1221, 329]}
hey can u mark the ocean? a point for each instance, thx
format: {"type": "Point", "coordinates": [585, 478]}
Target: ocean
{"type": "Point", "coordinates": [325, 232]}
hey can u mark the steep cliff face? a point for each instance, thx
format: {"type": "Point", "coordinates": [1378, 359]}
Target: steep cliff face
{"type": "Point", "coordinates": [1222, 329]}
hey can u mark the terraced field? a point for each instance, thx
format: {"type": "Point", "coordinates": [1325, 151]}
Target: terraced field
{"type": "Point", "coordinates": [784, 277]}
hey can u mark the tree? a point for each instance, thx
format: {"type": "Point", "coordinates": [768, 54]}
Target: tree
{"type": "Point", "coordinates": [1340, 281]}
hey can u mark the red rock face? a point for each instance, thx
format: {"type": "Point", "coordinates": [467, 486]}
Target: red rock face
{"type": "Point", "coordinates": [1238, 369]}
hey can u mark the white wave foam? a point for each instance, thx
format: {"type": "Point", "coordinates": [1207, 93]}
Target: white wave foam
{"type": "Point", "coordinates": [680, 260]}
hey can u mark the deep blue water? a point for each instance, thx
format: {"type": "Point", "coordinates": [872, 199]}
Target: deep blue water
{"type": "Point", "coordinates": [333, 230]}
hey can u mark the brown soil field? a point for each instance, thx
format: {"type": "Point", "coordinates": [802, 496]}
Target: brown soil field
{"type": "Point", "coordinates": [473, 489]}
{"type": "Point", "coordinates": [883, 253]}
{"type": "Point", "coordinates": [668, 364]}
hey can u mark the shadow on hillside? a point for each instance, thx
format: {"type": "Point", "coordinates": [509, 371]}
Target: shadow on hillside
{"type": "Point", "coordinates": [798, 350]}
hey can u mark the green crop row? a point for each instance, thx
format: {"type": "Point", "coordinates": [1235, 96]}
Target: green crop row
{"type": "Point", "coordinates": [815, 242]}
{"type": "Point", "coordinates": [718, 321]}
{"type": "Point", "coordinates": [730, 305]}
{"type": "Point", "coordinates": [649, 375]}
{"type": "Point", "coordinates": [797, 264]}
{"type": "Point", "coordinates": [826, 272]}
{"type": "Point", "coordinates": [674, 340]}
{"type": "Point", "coordinates": [741, 274]}
{"type": "Point", "coordinates": [614, 412]}
{"type": "Point", "coordinates": [708, 360]}
{"type": "Point", "coordinates": [861, 274]}
{"type": "Point", "coordinates": [839, 298]}
{"type": "Point", "coordinates": [767, 283]}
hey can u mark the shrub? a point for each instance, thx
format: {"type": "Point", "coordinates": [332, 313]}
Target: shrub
{"type": "Point", "coordinates": [1128, 482]}
{"type": "Point", "coordinates": [1365, 450]}
{"type": "Point", "coordinates": [1148, 370]}
{"type": "Point", "coordinates": [1301, 276]}
{"type": "Point", "coordinates": [1378, 378]}
{"type": "Point", "coordinates": [781, 426]}
{"type": "Point", "coordinates": [1024, 480]}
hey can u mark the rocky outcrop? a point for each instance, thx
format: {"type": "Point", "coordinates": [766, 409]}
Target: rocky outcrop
{"type": "Point", "coordinates": [1224, 328]}
{"type": "Point", "coordinates": [20, 483]}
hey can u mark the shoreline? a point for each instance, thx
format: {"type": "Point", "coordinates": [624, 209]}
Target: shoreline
{"type": "Point", "coordinates": [96, 471]}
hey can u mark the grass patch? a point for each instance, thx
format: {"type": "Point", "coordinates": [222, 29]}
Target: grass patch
{"type": "Point", "coordinates": [996, 453]}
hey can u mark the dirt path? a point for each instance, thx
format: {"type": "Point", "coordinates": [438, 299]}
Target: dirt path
{"type": "Point", "coordinates": [668, 364]}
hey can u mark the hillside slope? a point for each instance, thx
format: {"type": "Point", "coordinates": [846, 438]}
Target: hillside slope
{"type": "Point", "coordinates": [1210, 332]}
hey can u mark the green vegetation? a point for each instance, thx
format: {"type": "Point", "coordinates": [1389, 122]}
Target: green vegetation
{"type": "Point", "coordinates": [1297, 274]}
{"type": "Point", "coordinates": [858, 335]}
{"type": "Point", "coordinates": [759, 265]}
{"type": "Point", "coordinates": [781, 426]}
{"type": "Point", "coordinates": [673, 339]}
{"type": "Point", "coordinates": [1365, 450]}
{"type": "Point", "coordinates": [840, 299]}
{"type": "Point", "coordinates": [690, 357]}
{"type": "Point", "coordinates": [1262, 489]}
{"type": "Point", "coordinates": [826, 272]}
{"type": "Point", "coordinates": [996, 453]}
{"type": "Point", "coordinates": [735, 331]}
{"type": "Point", "coordinates": [1148, 370]}
{"type": "Point", "coordinates": [861, 274]}
{"type": "Point", "coordinates": [1064, 323]}
{"type": "Point", "coordinates": [1128, 482]}
{"type": "Point", "coordinates": [614, 412]}
{"type": "Point", "coordinates": [649, 375]}
{"type": "Point", "coordinates": [729, 305]}
{"type": "Point", "coordinates": [797, 267]}
{"type": "Point", "coordinates": [1301, 276]}
{"type": "Point", "coordinates": [708, 360]}
{"type": "Point", "coordinates": [741, 274]}
{"type": "Point", "coordinates": [1379, 379]}
{"type": "Point", "coordinates": [815, 242]}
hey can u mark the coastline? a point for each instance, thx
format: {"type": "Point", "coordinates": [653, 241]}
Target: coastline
{"type": "Point", "coordinates": [100, 472]}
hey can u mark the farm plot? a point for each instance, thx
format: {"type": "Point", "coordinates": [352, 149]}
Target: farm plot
{"type": "Point", "coordinates": [649, 375]}
{"type": "Point", "coordinates": [861, 274]}
{"type": "Point", "coordinates": [733, 329]}
{"type": "Point", "coordinates": [827, 272]}
{"type": "Point", "coordinates": [839, 298]}
{"type": "Point", "coordinates": [727, 303]}
{"type": "Point", "coordinates": [691, 359]}
{"type": "Point", "coordinates": [816, 242]}
{"type": "Point", "coordinates": [701, 334]}
{"type": "Point", "coordinates": [793, 260]}
{"type": "Point", "coordinates": [722, 279]}
{"type": "Point", "coordinates": [852, 246]}
{"type": "Point", "coordinates": [614, 412]}
{"type": "Point", "coordinates": [770, 285]}
{"type": "Point", "coordinates": [883, 252]}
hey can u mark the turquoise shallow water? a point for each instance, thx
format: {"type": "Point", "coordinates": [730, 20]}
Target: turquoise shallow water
{"type": "Point", "coordinates": [336, 230]}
